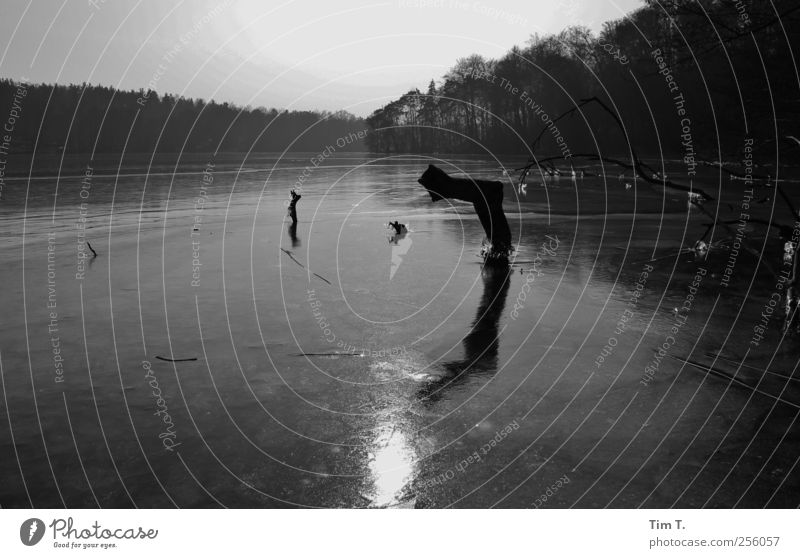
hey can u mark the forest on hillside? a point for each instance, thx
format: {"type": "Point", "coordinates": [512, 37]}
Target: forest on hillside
{"type": "Point", "coordinates": [683, 76]}
{"type": "Point", "coordinates": [97, 119]}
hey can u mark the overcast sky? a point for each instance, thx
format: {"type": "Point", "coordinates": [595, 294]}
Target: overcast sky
{"type": "Point", "coordinates": [295, 54]}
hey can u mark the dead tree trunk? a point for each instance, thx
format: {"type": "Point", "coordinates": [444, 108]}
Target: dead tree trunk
{"type": "Point", "coordinates": [293, 206]}
{"type": "Point", "coordinates": [486, 197]}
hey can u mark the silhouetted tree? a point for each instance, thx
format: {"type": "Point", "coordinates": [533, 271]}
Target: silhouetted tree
{"type": "Point", "coordinates": [733, 63]}
{"type": "Point", "coordinates": [89, 118]}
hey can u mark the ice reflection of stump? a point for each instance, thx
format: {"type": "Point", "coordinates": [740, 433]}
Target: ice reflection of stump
{"type": "Point", "coordinates": [401, 244]}
{"type": "Point", "coordinates": [486, 197]}
{"type": "Point", "coordinates": [482, 343]}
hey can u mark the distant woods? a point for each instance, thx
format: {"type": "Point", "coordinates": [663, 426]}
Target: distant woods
{"type": "Point", "coordinates": [87, 118]}
{"type": "Point", "coordinates": [687, 79]}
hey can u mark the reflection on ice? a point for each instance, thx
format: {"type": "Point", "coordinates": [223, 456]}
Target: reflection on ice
{"type": "Point", "coordinates": [405, 364]}
{"type": "Point", "coordinates": [391, 464]}
{"type": "Point", "coordinates": [482, 342]}
{"type": "Point", "coordinates": [401, 244]}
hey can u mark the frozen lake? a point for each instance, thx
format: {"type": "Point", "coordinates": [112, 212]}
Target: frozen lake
{"type": "Point", "coordinates": [336, 366]}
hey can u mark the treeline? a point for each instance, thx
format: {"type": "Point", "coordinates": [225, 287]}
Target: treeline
{"type": "Point", "coordinates": [686, 77]}
{"type": "Point", "coordinates": [89, 118]}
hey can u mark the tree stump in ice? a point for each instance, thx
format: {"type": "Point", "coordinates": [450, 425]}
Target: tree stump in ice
{"type": "Point", "coordinates": [486, 197]}
{"type": "Point", "coordinates": [292, 207]}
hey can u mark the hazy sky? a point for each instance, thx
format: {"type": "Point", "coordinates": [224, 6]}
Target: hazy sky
{"type": "Point", "coordinates": [294, 54]}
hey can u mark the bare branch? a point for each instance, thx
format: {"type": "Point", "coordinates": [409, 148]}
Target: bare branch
{"type": "Point", "coordinates": [644, 171]}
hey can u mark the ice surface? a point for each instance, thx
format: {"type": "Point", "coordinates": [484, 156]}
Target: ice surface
{"type": "Point", "coordinates": [344, 373]}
